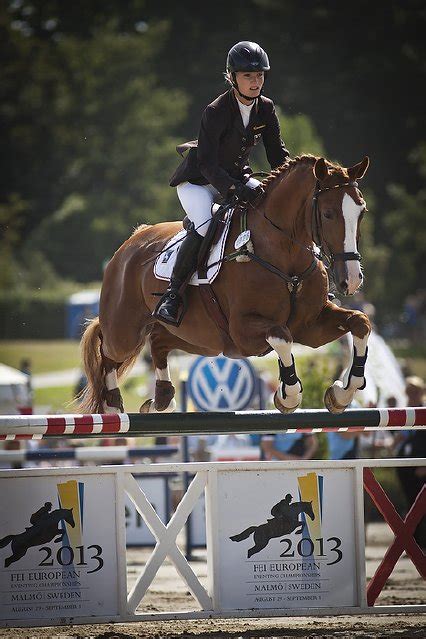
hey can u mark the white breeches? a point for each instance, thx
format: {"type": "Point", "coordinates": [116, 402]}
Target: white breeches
{"type": "Point", "coordinates": [197, 201]}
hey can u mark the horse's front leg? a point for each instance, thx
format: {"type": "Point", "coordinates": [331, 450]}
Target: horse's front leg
{"type": "Point", "coordinates": [332, 323]}
{"type": "Point", "coordinates": [289, 394]}
{"type": "Point", "coordinates": [341, 393]}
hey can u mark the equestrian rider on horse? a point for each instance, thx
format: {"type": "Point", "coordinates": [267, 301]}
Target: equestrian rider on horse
{"type": "Point", "coordinates": [217, 164]}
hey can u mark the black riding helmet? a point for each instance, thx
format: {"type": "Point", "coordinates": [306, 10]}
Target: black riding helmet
{"type": "Point", "coordinates": [247, 57]}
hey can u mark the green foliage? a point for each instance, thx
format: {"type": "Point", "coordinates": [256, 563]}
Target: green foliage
{"type": "Point", "coordinates": [11, 214]}
{"type": "Point", "coordinates": [388, 479]}
{"type": "Point", "coordinates": [375, 256]}
{"type": "Point", "coordinates": [300, 134]}
{"type": "Point", "coordinates": [94, 97]}
{"type": "Point", "coordinates": [37, 314]}
{"type": "Point", "coordinates": [406, 225]}
{"type": "Point", "coordinates": [316, 374]}
{"type": "Point", "coordinates": [116, 123]}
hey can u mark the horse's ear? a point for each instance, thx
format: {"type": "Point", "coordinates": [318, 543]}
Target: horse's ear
{"type": "Point", "coordinates": [320, 169]}
{"type": "Point", "coordinates": [358, 171]}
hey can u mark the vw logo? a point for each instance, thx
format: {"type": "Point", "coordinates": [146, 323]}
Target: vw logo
{"type": "Point", "coordinates": [221, 384]}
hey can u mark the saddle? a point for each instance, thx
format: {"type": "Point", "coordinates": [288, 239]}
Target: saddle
{"type": "Point", "coordinates": [210, 259]}
{"type": "Point", "coordinates": [210, 255]}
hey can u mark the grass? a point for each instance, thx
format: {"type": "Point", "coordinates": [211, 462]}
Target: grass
{"type": "Point", "coordinates": [45, 355]}
{"type": "Point", "coordinates": [57, 399]}
{"type": "Point", "coordinates": [57, 355]}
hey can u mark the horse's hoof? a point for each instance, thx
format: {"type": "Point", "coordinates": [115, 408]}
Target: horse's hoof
{"type": "Point", "coordinates": [281, 407]}
{"type": "Point", "coordinates": [331, 402]}
{"type": "Point", "coordinates": [145, 408]}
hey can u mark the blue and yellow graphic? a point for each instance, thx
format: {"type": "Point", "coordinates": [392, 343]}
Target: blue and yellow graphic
{"type": "Point", "coordinates": [311, 488]}
{"type": "Point", "coordinates": [71, 495]}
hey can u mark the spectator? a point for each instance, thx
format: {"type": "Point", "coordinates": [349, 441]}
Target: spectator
{"type": "Point", "coordinates": [289, 446]}
{"type": "Point", "coordinates": [343, 445]}
{"type": "Point", "coordinates": [413, 444]}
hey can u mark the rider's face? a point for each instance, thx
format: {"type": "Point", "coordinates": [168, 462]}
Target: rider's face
{"type": "Point", "coordinates": [250, 83]}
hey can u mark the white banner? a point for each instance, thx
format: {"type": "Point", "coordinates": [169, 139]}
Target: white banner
{"type": "Point", "coordinates": [58, 553]}
{"type": "Point", "coordinates": [283, 539]}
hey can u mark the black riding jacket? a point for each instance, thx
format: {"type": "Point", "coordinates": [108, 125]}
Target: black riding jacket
{"type": "Point", "coordinates": [220, 156]}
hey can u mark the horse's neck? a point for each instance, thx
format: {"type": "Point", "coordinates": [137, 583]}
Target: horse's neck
{"type": "Point", "coordinates": [287, 203]}
{"type": "Point", "coordinates": [299, 507]}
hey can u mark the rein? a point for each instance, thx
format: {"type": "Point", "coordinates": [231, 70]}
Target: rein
{"type": "Point", "coordinates": [318, 251]}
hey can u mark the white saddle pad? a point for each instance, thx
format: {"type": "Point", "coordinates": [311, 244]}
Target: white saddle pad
{"type": "Point", "coordinates": [164, 263]}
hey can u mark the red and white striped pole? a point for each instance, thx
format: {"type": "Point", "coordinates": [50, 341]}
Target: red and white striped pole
{"type": "Point", "coordinates": [143, 425]}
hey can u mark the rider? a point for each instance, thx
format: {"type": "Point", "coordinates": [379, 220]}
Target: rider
{"type": "Point", "coordinates": [217, 163]}
{"type": "Point", "coordinates": [282, 508]}
{"type": "Point", "coordinates": [41, 513]}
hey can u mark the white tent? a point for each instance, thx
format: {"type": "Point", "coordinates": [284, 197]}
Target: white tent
{"type": "Point", "coordinates": [14, 390]}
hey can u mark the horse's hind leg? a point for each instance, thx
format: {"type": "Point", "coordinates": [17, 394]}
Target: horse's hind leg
{"type": "Point", "coordinates": [162, 342]}
{"type": "Point", "coordinates": [289, 394]}
{"type": "Point", "coordinates": [161, 345]}
{"type": "Point", "coordinates": [260, 542]}
{"type": "Point", "coordinates": [17, 554]}
{"type": "Point", "coordinates": [112, 400]}
{"type": "Point", "coordinates": [332, 323]}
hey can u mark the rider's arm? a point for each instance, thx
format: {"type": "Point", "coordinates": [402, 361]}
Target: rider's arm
{"type": "Point", "coordinates": [212, 127]}
{"type": "Point", "coordinates": [276, 151]}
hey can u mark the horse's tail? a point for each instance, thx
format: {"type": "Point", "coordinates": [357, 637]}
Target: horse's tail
{"type": "Point", "coordinates": [92, 397]}
{"type": "Point", "coordinates": [243, 535]}
{"type": "Point", "coordinates": [6, 540]}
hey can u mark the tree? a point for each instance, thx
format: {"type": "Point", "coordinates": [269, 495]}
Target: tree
{"type": "Point", "coordinates": [405, 224]}
{"type": "Point", "coordinates": [111, 131]}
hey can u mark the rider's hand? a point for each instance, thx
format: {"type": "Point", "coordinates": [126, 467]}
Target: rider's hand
{"type": "Point", "coordinates": [246, 194]}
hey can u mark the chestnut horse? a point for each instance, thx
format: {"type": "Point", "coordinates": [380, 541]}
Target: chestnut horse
{"type": "Point", "coordinates": [312, 210]}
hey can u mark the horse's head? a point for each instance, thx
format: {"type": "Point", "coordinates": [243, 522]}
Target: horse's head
{"type": "Point", "coordinates": [69, 517]}
{"type": "Point", "coordinates": [309, 510]}
{"type": "Point", "coordinates": [338, 208]}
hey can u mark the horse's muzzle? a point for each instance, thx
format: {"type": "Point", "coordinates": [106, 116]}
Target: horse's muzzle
{"type": "Point", "coordinates": [347, 276]}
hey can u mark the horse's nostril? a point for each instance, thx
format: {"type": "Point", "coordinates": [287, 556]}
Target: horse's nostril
{"type": "Point", "coordinates": [343, 286]}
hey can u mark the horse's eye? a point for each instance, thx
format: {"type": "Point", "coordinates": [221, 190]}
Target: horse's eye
{"type": "Point", "coordinates": [328, 214]}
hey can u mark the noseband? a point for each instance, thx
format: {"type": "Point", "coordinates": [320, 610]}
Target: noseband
{"type": "Point", "coordinates": [316, 225]}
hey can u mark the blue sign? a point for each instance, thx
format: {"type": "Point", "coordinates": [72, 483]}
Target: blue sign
{"type": "Point", "coordinates": [221, 384]}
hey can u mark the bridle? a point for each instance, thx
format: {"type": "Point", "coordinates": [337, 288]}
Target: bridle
{"type": "Point", "coordinates": [321, 250]}
{"type": "Point", "coordinates": [317, 227]}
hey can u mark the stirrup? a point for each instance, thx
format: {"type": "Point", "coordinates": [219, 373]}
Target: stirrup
{"type": "Point", "coordinates": [170, 319]}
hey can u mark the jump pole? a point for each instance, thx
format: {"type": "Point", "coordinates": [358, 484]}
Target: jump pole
{"type": "Point", "coordinates": [260, 422]}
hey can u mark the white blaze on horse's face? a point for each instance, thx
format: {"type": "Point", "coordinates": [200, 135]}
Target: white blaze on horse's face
{"type": "Point", "coordinates": [351, 212]}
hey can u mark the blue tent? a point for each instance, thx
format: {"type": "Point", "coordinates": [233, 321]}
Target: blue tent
{"type": "Point", "coordinates": [81, 307]}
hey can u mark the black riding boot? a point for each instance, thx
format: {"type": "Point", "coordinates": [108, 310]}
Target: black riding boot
{"type": "Point", "coordinates": [186, 263]}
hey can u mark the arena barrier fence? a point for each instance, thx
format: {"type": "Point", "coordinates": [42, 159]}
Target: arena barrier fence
{"type": "Point", "coordinates": [283, 538]}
